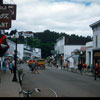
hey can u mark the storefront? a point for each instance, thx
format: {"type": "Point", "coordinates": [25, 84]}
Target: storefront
{"type": "Point", "coordinates": [96, 56]}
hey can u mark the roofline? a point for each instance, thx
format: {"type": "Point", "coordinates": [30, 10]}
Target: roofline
{"type": "Point", "coordinates": [60, 38]}
{"type": "Point", "coordinates": [95, 23]}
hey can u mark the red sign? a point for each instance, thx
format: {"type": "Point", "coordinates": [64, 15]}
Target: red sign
{"type": "Point", "coordinates": [5, 19]}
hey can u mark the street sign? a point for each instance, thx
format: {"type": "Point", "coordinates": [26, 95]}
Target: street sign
{"type": "Point", "coordinates": [11, 8]}
{"type": "Point", "coordinates": [5, 19]}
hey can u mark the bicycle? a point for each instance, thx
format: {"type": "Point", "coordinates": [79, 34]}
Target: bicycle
{"type": "Point", "coordinates": [29, 93]}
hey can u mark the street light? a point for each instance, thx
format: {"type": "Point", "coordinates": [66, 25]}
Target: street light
{"type": "Point", "coordinates": [15, 57]}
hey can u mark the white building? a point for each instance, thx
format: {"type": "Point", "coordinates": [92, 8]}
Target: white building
{"type": "Point", "coordinates": [23, 51]}
{"type": "Point", "coordinates": [96, 41]}
{"type": "Point", "coordinates": [28, 53]}
{"type": "Point", "coordinates": [36, 53]}
{"type": "Point", "coordinates": [26, 34]}
{"type": "Point", "coordinates": [89, 53]}
{"type": "Point", "coordinates": [64, 50]}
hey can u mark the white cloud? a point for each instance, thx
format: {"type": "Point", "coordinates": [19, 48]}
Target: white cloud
{"type": "Point", "coordinates": [68, 17]}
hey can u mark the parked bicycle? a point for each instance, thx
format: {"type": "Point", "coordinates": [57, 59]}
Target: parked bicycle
{"type": "Point", "coordinates": [29, 93]}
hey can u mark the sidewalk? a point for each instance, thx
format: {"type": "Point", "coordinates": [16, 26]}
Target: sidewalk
{"type": "Point", "coordinates": [83, 73]}
{"type": "Point", "coordinates": [7, 87]}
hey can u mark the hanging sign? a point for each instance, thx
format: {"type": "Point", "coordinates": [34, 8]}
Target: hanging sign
{"type": "Point", "coordinates": [5, 19]}
{"type": "Point", "coordinates": [11, 8]}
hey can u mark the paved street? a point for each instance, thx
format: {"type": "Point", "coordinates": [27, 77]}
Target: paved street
{"type": "Point", "coordinates": [63, 83]}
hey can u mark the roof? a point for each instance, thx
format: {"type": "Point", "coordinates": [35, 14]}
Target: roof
{"type": "Point", "coordinates": [60, 38]}
{"type": "Point", "coordinates": [94, 24]}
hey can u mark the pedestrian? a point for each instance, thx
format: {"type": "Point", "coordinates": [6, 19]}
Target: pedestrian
{"type": "Point", "coordinates": [11, 67]}
{"type": "Point", "coordinates": [57, 66]}
{"type": "Point", "coordinates": [88, 68]}
{"type": "Point", "coordinates": [35, 68]}
{"type": "Point", "coordinates": [83, 67]}
{"type": "Point", "coordinates": [99, 70]}
{"type": "Point", "coordinates": [96, 71]}
{"type": "Point", "coordinates": [64, 65]}
{"type": "Point", "coordinates": [30, 65]}
{"type": "Point", "coordinates": [0, 65]}
{"type": "Point", "coordinates": [80, 68]}
{"type": "Point", "coordinates": [4, 65]}
{"type": "Point", "coordinates": [67, 65]}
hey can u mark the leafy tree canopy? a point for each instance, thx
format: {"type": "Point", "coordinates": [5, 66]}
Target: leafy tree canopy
{"type": "Point", "coordinates": [46, 40]}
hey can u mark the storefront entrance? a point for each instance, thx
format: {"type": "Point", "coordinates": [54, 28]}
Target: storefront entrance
{"type": "Point", "coordinates": [96, 56]}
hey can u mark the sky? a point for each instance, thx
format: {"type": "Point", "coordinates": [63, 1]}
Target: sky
{"type": "Point", "coordinates": [68, 16]}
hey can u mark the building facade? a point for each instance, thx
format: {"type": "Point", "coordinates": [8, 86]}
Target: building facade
{"type": "Point", "coordinates": [23, 51]}
{"type": "Point", "coordinates": [89, 53]}
{"type": "Point", "coordinates": [96, 41]}
{"type": "Point", "coordinates": [64, 51]}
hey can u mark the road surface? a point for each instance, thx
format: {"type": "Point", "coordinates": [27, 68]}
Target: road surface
{"type": "Point", "coordinates": [53, 82]}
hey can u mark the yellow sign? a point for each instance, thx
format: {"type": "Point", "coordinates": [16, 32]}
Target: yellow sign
{"type": "Point", "coordinates": [97, 54]}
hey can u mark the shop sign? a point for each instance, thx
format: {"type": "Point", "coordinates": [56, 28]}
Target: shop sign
{"type": "Point", "coordinates": [11, 8]}
{"type": "Point", "coordinates": [97, 54]}
{"type": "Point", "coordinates": [5, 19]}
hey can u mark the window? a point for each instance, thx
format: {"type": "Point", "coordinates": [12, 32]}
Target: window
{"type": "Point", "coordinates": [96, 41]}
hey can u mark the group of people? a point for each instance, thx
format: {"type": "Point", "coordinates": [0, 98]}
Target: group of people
{"type": "Point", "coordinates": [7, 64]}
{"type": "Point", "coordinates": [95, 69]}
{"type": "Point", "coordinates": [85, 68]}
{"type": "Point", "coordinates": [32, 66]}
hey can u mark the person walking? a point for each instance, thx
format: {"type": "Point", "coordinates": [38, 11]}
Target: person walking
{"type": "Point", "coordinates": [99, 70]}
{"type": "Point", "coordinates": [80, 68]}
{"type": "Point", "coordinates": [4, 66]}
{"type": "Point", "coordinates": [11, 67]}
{"type": "Point", "coordinates": [35, 69]}
{"type": "Point", "coordinates": [0, 65]}
{"type": "Point", "coordinates": [96, 71]}
{"type": "Point", "coordinates": [33, 66]}
{"type": "Point", "coordinates": [64, 65]}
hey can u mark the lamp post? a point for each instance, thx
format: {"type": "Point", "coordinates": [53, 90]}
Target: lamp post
{"type": "Point", "coordinates": [15, 57]}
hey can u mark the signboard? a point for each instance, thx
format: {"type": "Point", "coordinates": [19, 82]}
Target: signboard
{"type": "Point", "coordinates": [96, 54]}
{"type": "Point", "coordinates": [11, 8]}
{"type": "Point", "coordinates": [5, 19]}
